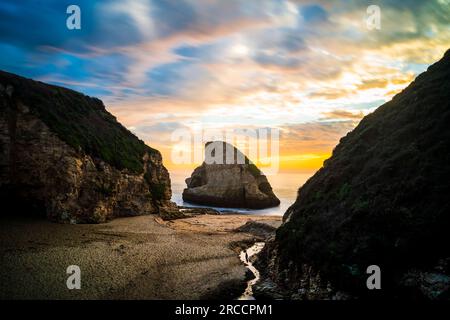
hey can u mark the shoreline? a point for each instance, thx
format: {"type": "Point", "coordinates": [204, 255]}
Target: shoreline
{"type": "Point", "coordinates": [140, 257]}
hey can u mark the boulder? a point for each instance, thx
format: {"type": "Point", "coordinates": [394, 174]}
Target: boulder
{"type": "Point", "coordinates": [230, 181]}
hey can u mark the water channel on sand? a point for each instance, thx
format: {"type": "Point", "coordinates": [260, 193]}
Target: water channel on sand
{"type": "Point", "coordinates": [255, 249]}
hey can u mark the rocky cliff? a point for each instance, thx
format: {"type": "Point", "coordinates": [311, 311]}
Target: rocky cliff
{"type": "Point", "coordinates": [64, 155]}
{"type": "Point", "coordinates": [230, 184]}
{"type": "Point", "coordinates": [381, 199]}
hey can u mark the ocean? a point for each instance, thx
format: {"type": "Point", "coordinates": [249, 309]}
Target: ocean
{"type": "Point", "coordinates": [285, 186]}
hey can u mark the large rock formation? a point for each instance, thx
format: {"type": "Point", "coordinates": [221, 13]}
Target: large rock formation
{"type": "Point", "coordinates": [383, 198]}
{"type": "Point", "coordinates": [230, 184]}
{"type": "Point", "coordinates": [64, 155]}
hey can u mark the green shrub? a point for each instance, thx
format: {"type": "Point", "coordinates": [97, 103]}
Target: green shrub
{"type": "Point", "coordinates": [360, 205]}
{"type": "Point", "coordinates": [344, 191]}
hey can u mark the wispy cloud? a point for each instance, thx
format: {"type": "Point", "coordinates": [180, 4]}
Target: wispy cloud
{"type": "Point", "coordinates": [309, 67]}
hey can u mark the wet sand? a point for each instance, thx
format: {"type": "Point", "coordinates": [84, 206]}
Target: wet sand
{"type": "Point", "coordinates": [127, 258]}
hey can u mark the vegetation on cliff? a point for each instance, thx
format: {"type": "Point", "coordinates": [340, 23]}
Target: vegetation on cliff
{"type": "Point", "coordinates": [64, 155]}
{"type": "Point", "coordinates": [82, 122]}
{"type": "Point", "coordinates": [382, 198]}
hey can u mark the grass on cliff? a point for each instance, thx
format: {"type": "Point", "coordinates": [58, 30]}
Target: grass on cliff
{"type": "Point", "coordinates": [82, 122]}
{"type": "Point", "coordinates": [382, 198]}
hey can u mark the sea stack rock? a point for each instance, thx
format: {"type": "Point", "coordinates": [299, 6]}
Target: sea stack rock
{"type": "Point", "coordinates": [227, 178]}
{"type": "Point", "coordinates": [65, 156]}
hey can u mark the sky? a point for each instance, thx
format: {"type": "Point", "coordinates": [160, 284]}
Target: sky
{"type": "Point", "coordinates": [311, 69]}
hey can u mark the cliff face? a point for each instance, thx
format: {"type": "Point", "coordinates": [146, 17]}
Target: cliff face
{"type": "Point", "coordinates": [64, 155]}
{"type": "Point", "coordinates": [230, 185]}
{"type": "Point", "coordinates": [382, 199]}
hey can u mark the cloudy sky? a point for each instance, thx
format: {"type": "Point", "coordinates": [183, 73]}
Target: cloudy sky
{"type": "Point", "coordinates": [310, 68]}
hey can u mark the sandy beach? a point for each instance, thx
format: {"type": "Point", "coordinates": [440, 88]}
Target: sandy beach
{"type": "Point", "coordinates": [129, 258]}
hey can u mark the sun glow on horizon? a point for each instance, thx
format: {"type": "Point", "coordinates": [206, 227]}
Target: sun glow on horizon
{"type": "Point", "coordinates": [310, 68]}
